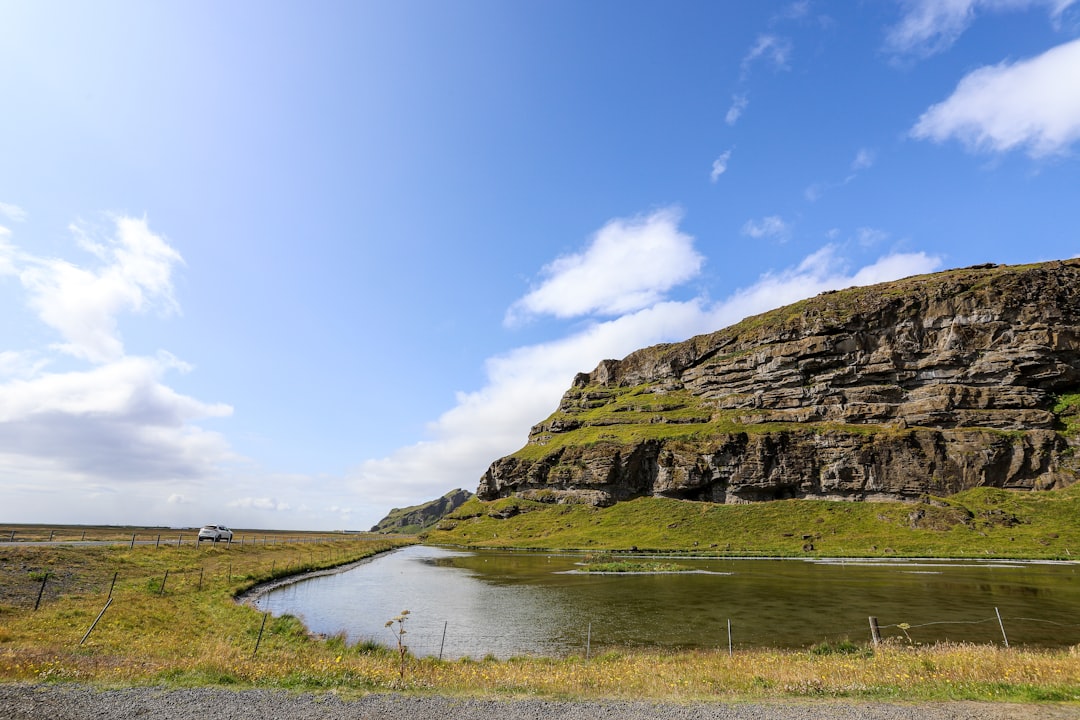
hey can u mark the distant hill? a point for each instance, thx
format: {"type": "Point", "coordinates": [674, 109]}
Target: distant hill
{"type": "Point", "coordinates": [415, 519]}
{"type": "Point", "coordinates": [930, 385]}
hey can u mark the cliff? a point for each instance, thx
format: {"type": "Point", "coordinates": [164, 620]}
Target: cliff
{"type": "Point", "coordinates": [928, 385]}
{"type": "Point", "coordinates": [417, 518]}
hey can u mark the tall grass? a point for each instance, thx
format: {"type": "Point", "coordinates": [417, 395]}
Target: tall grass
{"type": "Point", "coordinates": [187, 636]}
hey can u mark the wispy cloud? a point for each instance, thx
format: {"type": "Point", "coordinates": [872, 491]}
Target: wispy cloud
{"type": "Point", "coordinates": [628, 265]}
{"type": "Point", "coordinates": [927, 27]}
{"type": "Point", "coordinates": [738, 105]}
{"type": "Point", "coordinates": [864, 159]}
{"type": "Point", "coordinates": [12, 212]}
{"type": "Point", "coordinates": [524, 385]}
{"type": "Point", "coordinates": [261, 503]}
{"type": "Point", "coordinates": [773, 49]}
{"type": "Point", "coordinates": [772, 227]}
{"type": "Point", "coordinates": [869, 237]}
{"type": "Point", "coordinates": [1032, 104]}
{"type": "Point", "coordinates": [795, 11]}
{"type": "Point", "coordinates": [719, 165]}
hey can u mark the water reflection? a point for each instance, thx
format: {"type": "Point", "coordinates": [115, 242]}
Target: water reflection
{"type": "Point", "coordinates": [507, 604]}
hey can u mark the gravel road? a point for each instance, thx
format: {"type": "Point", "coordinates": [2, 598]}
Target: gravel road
{"type": "Point", "coordinates": [26, 702]}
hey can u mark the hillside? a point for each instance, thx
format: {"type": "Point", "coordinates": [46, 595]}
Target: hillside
{"type": "Point", "coordinates": [978, 523]}
{"type": "Point", "coordinates": [412, 520]}
{"type": "Point", "coordinates": [930, 385]}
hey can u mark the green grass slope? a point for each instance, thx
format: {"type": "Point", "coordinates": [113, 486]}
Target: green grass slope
{"type": "Point", "coordinates": [984, 522]}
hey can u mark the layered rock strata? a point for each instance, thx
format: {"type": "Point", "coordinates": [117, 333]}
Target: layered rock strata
{"type": "Point", "coordinates": [928, 385]}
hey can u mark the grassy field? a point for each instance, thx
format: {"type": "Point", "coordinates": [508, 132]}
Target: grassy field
{"type": "Point", "coordinates": [984, 522]}
{"type": "Point", "coordinates": [187, 630]}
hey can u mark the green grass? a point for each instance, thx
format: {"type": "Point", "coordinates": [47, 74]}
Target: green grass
{"type": "Point", "coordinates": [1067, 410]}
{"type": "Point", "coordinates": [984, 522]}
{"type": "Point", "coordinates": [194, 636]}
{"type": "Point", "coordinates": [607, 563]}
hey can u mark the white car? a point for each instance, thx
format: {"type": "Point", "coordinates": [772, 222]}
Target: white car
{"type": "Point", "coordinates": [215, 533]}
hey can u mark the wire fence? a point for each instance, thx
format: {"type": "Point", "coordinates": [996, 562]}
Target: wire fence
{"type": "Point", "coordinates": [199, 571]}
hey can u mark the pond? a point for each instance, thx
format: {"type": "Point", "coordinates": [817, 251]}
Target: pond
{"type": "Point", "coordinates": [505, 604]}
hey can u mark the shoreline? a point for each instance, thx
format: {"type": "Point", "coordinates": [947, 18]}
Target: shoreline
{"type": "Point", "coordinates": [253, 593]}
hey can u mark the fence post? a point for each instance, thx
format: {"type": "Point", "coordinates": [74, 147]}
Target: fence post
{"type": "Point", "coordinates": [179, 539]}
{"type": "Point", "coordinates": [200, 580]}
{"type": "Point", "coordinates": [132, 545]}
{"type": "Point", "coordinates": [52, 534]}
{"type": "Point", "coordinates": [41, 591]}
{"type": "Point", "coordinates": [443, 643]}
{"type": "Point", "coordinates": [875, 631]}
{"type": "Point", "coordinates": [157, 543]}
{"type": "Point", "coordinates": [588, 641]}
{"type": "Point", "coordinates": [164, 580]}
{"type": "Point", "coordinates": [259, 640]}
{"type": "Point", "coordinates": [729, 637]}
{"type": "Point", "coordinates": [113, 584]}
{"type": "Point", "coordinates": [107, 604]}
{"type": "Point", "coordinates": [1002, 625]}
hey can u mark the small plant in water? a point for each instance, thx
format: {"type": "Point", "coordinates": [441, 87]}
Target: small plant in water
{"type": "Point", "coordinates": [399, 633]}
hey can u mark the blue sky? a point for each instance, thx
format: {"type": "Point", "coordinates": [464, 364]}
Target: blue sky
{"type": "Point", "coordinates": [293, 264]}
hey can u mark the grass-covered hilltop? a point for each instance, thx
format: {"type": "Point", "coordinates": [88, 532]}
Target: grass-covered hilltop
{"type": "Point", "coordinates": [930, 395]}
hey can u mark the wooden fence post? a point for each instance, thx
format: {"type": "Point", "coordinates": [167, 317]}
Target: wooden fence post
{"type": "Point", "coordinates": [261, 628]}
{"type": "Point", "coordinates": [41, 591]}
{"type": "Point", "coordinates": [107, 604]}
{"type": "Point", "coordinates": [875, 631]}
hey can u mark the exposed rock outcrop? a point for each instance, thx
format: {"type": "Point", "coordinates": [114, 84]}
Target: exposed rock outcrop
{"type": "Point", "coordinates": [417, 518]}
{"type": "Point", "coordinates": [931, 384]}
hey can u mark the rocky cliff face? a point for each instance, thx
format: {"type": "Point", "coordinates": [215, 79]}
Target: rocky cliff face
{"type": "Point", "coordinates": [932, 384]}
{"type": "Point", "coordinates": [420, 517]}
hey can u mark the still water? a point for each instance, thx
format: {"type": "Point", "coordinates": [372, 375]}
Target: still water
{"type": "Point", "coordinates": [513, 603]}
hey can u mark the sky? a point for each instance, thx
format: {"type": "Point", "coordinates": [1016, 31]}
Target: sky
{"type": "Point", "coordinates": [292, 264]}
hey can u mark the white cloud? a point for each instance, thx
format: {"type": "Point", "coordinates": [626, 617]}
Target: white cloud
{"type": "Point", "coordinates": [738, 105]}
{"type": "Point", "coordinates": [773, 48]}
{"type": "Point", "coordinates": [629, 264]}
{"type": "Point", "coordinates": [20, 364]}
{"type": "Point", "coordinates": [772, 226]}
{"type": "Point", "coordinates": [931, 26]}
{"type": "Point", "coordinates": [719, 165]}
{"type": "Point", "coordinates": [12, 212]}
{"type": "Point", "coordinates": [261, 503]}
{"type": "Point", "coordinates": [1033, 104]}
{"type": "Point", "coordinates": [795, 11]}
{"type": "Point", "coordinates": [116, 422]}
{"type": "Point", "coordinates": [524, 386]}
{"type": "Point", "coordinates": [868, 237]}
{"type": "Point", "coordinates": [82, 304]}
{"type": "Point", "coordinates": [864, 159]}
